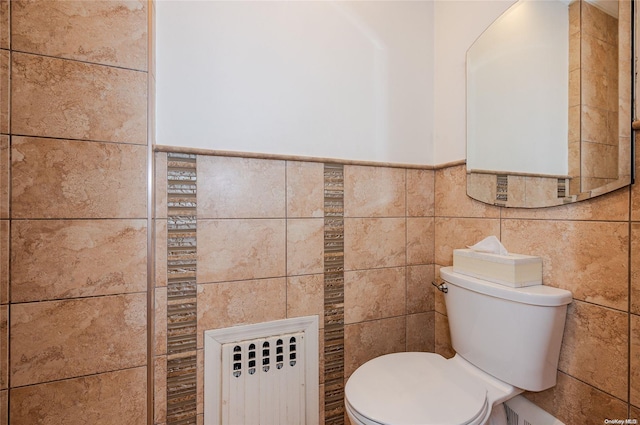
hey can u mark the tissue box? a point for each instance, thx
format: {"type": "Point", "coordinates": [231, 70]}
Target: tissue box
{"type": "Point", "coordinates": [513, 270]}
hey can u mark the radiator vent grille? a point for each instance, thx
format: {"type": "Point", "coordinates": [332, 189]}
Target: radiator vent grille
{"type": "Point", "coordinates": [263, 374]}
{"type": "Point", "coordinates": [521, 411]}
{"type": "Point", "coordinates": [262, 381]}
{"type": "Point", "coordinates": [513, 418]}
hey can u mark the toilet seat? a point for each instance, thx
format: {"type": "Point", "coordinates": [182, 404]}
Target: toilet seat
{"type": "Point", "coordinates": [415, 389]}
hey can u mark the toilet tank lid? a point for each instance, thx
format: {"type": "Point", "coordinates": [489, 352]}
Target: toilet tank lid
{"type": "Point", "coordinates": [542, 295]}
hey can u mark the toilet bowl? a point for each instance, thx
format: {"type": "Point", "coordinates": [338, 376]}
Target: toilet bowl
{"type": "Point", "coordinates": [507, 340]}
{"type": "Point", "coordinates": [424, 389]}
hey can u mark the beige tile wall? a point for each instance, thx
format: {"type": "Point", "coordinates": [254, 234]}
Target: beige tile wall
{"type": "Point", "coordinates": [260, 254]}
{"type": "Point", "coordinates": [589, 248]}
{"type": "Point", "coordinates": [73, 215]}
{"type": "Point", "coordinates": [602, 60]}
{"type": "Point", "coordinates": [399, 225]}
{"type": "Point", "coordinates": [389, 259]}
{"type": "Point", "coordinates": [72, 192]}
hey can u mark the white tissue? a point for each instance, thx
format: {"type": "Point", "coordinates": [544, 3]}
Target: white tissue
{"type": "Point", "coordinates": [491, 245]}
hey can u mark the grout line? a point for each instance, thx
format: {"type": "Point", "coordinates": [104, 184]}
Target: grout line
{"type": "Point", "coordinates": [85, 62]}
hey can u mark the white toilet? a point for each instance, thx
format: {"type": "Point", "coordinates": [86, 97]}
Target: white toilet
{"type": "Point", "coordinates": [507, 340]}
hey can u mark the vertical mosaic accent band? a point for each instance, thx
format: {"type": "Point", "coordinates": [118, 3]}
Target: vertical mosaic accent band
{"type": "Point", "coordinates": [333, 294]}
{"type": "Point", "coordinates": [181, 290]}
{"type": "Point", "coordinates": [562, 188]}
{"type": "Point", "coordinates": [502, 188]}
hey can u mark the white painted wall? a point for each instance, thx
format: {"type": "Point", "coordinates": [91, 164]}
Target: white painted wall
{"type": "Point", "coordinates": [457, 25]}
{"type": "Point", "coordinates": [349, 80]}
{"type": "Point", "coordinates": [380, 81]}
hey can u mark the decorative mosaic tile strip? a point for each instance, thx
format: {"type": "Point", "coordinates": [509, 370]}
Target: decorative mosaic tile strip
{"type": "Point", "coordinates": [181, 394]}
{"type": "Point", "coordinates": [333, 294]}
{"type": "Point", "coordinates": [502, 187]}
{"type": "Point", "coordinates": [562, 188]}
{"type": "Point", "coordinates": [181, 289]}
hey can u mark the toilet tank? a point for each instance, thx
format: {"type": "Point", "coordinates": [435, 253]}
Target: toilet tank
{"type": "Point", "coordinates": [514, 334]}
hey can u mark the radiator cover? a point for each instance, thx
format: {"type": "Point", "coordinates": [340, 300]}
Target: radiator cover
{"type": "Point", "coordinates": [266, 373]}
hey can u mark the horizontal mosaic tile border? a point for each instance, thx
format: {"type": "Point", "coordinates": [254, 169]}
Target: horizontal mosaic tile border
{"type": "Point", "coordinates": [334, 294]}
{"type": "Point", "coordinates": [181, 290]}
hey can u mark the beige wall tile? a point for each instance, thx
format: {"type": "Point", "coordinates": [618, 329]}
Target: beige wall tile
{"type": "Point", "coordinates": [583, 257]}
{"type": "Point", "coordinates": [539, 190]}
{"type": "Point", "coordinates": [635, 268]}
{"type": "Point", "coordinates": [5, 168]}
{"type": "Point", "coordinates": [161, 253]}
{"type": "Point", "coordinates": [62, 339]}
{"type": "Point", "coordinates": [4, 24]}
{"type": "Point", "coordinates": [152, 37]}
{"type": "Point", "coordinates": [81, 100]}
{"type": "Point", "coordinates": [4, 347]}
{"type": "Point", "coordinates": [420, 193]}
{"type": "Point", "coordinates": [374, 191]}
{"type": "Point", "coordinates": [111, 33]}
{"type": "Point", "coordinates": [598, 23]}
{"type": "Point", "coordinates": [625, 60]}
{"type": "Point", "coordinates": [451, 198]}
{"type": "Point", "coordinates": [634, 372]}
{"type": "Point", "coordinates": [420, 296]}
{"type": "Point", "coordinates": [592, 183]}
{"type": "Point", "coordinates": [4, 91]}
{"type": "Point", "coordinates": [594, 88]}
{"type": "Point", "coordinates": [4, 405]}
{"type": "Point", "coordinates": [107, 398]}
{"type": "Point", "coordinates": [635, 193]}
{"type": "Point", "coordinates": [612, 206]}
{"type": "Point", "coordinates": [305, 246]}
{"type": "Point", "coordinates": [221, 305]}
{"type": "Point", "coordinates": [421, 332]}
{"type": "Point", "coordinates": [231, 187]}
{"type": "Point", "coordinates": [597, 128]}
{"type": "Point", "coordinates": [484, 187]}
{"type": "Point", "coordinates": [366, 340]}
{"type": "Point", "coordinates": [374, 294]}
{"type": "Point", "coordinates": [160, 390]}
{"type": "Point", "coordinates": [599, 55]}
{"type": "Point", "coordinates": [593, 334]}
{"type": "Point", "coordinates": [160, 319]}
{"type": "Point", "coordinates": [574, 52]}
{"type": "Point", "coordinates": [70, 179]}
{"type": "Point", "coordinates": [420, 240]}
{"type": "Point", "coordinates": [240, 249]}
{"type": "Point", "coordinates": [374, 243]}
{"type": "Point", "coordinates": [55, 259]}
{"type": "Point", "coordinates": [4, 261]}
{"type": "Point", "coordinates": [575, 402]}
{"type": "Point", "coordinates": [624, 160]}
{"type": "Point", "coordinates": [305, 296]}
{"type": "Point", "coordinates": [455, 233]}
{"type": "Point", "coordinates": [600, 161]}
{"type": "Point", "coordinates": [305, 189]}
